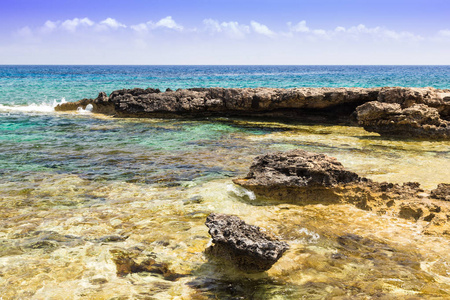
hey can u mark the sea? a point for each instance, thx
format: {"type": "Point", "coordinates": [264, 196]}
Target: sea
{"type": "Point", "coordinates": [83, 194]}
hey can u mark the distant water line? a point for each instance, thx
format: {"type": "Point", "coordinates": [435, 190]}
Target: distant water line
{"type": "Point", "coordinates": [21, 85]}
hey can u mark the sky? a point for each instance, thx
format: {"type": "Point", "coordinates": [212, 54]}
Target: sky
{"type": "Point", "coordinates": [225, 32]}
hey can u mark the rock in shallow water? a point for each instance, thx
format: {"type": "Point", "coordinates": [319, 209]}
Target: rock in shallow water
{"type": "Point", "coordinates": [306, 178]}
{"type": "Point", "coordinates": [442, 192]}
{"type": "Point", "coordinates": [297, 168]}
{"type": "Point", "coordinates": [243, 245]}
{"type": "Point", "coordinates": [418, 120]}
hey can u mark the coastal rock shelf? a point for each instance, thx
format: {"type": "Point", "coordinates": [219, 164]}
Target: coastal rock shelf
{"type": "Point", "coordinates": [305, 178]}
{"type": "Point", "coordinates": [410, 112]}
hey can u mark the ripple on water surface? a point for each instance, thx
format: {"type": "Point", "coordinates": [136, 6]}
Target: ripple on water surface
{"type": "Point", "coordinates": [78, 193]}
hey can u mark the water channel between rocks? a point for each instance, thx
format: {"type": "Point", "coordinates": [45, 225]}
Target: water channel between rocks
{"type": "Point", "coordinates": [81, 194]}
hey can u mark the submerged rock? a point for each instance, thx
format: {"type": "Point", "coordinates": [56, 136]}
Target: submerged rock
{"type": "Point", "coordinates": [245, 246]}
{"type": "Point", "coordinates": [134, 260]}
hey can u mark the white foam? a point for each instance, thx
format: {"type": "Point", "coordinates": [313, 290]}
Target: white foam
{"type": "Point", "coordinates": [33, 107]}
{"type": "Point", "coordinates": [307, 236]}
{"type": "Point", "coordinates": [87, 110]}
{"type": "Point", "coordinates": [240, 191]}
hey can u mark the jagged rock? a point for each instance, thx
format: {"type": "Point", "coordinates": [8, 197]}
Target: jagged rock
{"type": "Point", "coordinates": [297, 168]}
{"type": "Point", "coordinates": [442, 192]}
{"type": "Point", "coordinates": [417, 120]}
{"type": "Point", "coordinates": [245, 246]}
{"type": "Point", "coordinates": [238, 101]}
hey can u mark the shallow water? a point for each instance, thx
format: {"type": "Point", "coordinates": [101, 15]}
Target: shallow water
{"type": "Point", "coordinates": [76, 189]}
{"type": "Point", "coordinates": [82, 193]}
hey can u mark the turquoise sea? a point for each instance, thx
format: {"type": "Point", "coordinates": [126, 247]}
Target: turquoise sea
{"type": "Point", "coordinates": [68, 181]}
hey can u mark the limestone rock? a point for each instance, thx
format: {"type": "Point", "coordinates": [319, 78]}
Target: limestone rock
{"type": "Point", "coordinates": [297, 168]}
{"type": "Point", "coordinates": [442, 192]}
{"type": "Point", "coordinates": [410, 112]}
{"type": "Point", "coordinates": [305, 178]}
{"type": "Point", "coordinates": [417, 120]}
{"type": "Point", "coordinates": [245, 246]}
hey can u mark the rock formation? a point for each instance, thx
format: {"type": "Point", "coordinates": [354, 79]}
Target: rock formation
{"type": "Point", "coordinates": [418, 120]}
{"type": "Point", "coordinates": [304, 178]}
{"type": "Point", "coordinates": [412, 112]}
{"type": "Point", "coordinates": [217, 101]}
{"type": "Point", "coordinates": [245, 246]}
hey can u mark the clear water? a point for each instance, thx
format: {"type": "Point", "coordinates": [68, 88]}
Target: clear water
{"type": "Point", "coordinates": [68, 180]}
{"type": "Point", "coordinates": [37, 84]}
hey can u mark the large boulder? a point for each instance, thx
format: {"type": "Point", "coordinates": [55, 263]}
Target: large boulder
{"type": "Point", "coordinates": [245, 246]}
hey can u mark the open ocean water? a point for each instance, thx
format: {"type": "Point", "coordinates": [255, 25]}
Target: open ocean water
{"type": "Point", "coordinates": [77, 188]}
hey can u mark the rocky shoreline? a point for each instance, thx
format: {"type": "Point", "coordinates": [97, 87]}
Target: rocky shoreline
{"type": "Point", "coordinates": [303, 178]}
{"type": "Point", "coordinates": [389, 111]}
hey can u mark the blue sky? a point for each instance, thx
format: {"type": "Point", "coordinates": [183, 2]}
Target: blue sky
{"type": "Point", "coordinates": [225, 32]}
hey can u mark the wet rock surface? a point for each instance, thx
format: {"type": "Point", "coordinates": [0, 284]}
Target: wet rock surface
{"type": "Point", "coordinates": [394, 111]}
{"type": "Point", "coordinates": [245, 246]}
{"type": "Point", "coordinates": [305, 178]}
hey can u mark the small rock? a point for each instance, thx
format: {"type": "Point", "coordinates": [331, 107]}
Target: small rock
{"type": "Point", "coordinates": [442, 192]}
{"type": "Point", "coordinates": [243, 245]}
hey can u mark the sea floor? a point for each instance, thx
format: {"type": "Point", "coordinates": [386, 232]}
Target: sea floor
{"type": "Point", "coordinates": [84, 196]}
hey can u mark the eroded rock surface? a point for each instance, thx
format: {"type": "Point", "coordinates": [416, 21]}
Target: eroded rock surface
{"type": "Point", "coordinates": [442, 192]}
{"type": "Point", "coordinates": [305, 178]}
{"type": "Point", "coordinates": [418, 120]}
{"type": "Point", "coordinates": [298, 168]}
{"type": "Point", "coordinates": [245, 246]}
{"type": "Point", "coordinates": [213, 101]}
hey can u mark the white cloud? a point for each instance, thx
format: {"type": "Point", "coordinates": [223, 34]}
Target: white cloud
{"type": "Point", "coordinates": [355, 32]}
{"type": "Point", "coordinates": [49, 26]}
{"type": "Point", "coordinates": [168, 22]}
{"type": "Point", "coordinates": [25, 32]}
{"type": "Point", "coordinates": [261, 29]}
{"type": "Point", "coordinates": [212, 25]}
{"type": "Point", "coordinates": [235, 30]}
{"type": "Point", "coordinates": [140, 27]}
{"type": "Point", "coordinates": [232, 29]}
{"type": "Point", "coordinates": [111, 23]}
{"type": "Point", "coordinates": [444, 33]}
{"type": "Point", "coordinates": [381, 33]}
{"type": "Point", "coordinates": [72, 25]}
{"type": "Point", "coordinates": [299, 27]}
